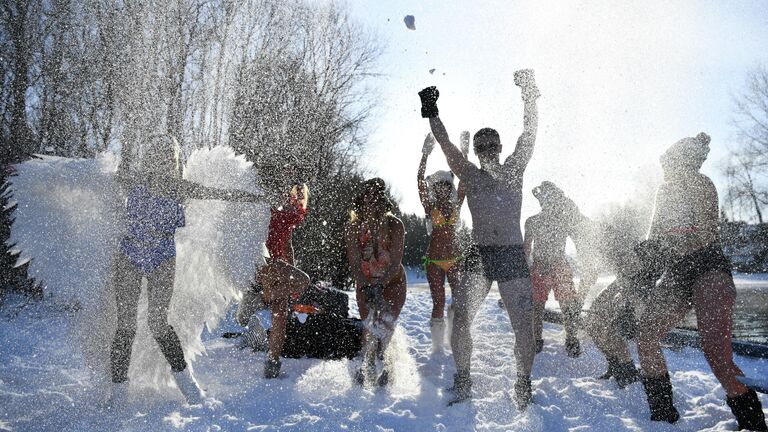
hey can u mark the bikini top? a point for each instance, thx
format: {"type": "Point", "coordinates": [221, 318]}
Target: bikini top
{"type": "Point", "coordinates": [374, 256]}
{"type": "Point", "coordinates": [439, 220]}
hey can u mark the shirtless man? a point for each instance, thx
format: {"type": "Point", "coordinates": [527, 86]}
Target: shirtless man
{"type": "Point", "coordinates": [546, 234]}
{"type": "Point", "coordinates": [494, 194]}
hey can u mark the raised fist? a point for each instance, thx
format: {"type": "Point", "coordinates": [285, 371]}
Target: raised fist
{"type": "Point", "coordinates": [525, 80]}
{"type": "Point", "coordinates": [464, 141]}
{"type": "Point", "coordinates": [429, 102]}
{"type": "Point", "coordinates": [429, 144]}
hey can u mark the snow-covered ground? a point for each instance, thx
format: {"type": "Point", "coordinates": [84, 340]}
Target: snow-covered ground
{"type": "Point", "coordinates": [45, 385]}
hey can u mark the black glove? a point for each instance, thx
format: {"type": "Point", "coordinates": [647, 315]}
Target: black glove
{"type": "Point", "coordinates": [429, 102]}
{"type": "Point", "coordinates": [374, 295]}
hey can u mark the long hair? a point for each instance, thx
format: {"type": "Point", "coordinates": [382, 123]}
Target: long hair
{"type": "Point", "coordinates": [379, 189]}
{"type": "Point", "coordinates": [295, 193]}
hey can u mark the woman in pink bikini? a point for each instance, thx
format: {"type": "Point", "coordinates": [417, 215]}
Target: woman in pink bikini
{"type": "Point", "coordinates": [374, 238]}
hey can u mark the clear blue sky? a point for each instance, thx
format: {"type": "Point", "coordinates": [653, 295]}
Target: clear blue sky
{"type": "Point", "coordinates": [620, 82]}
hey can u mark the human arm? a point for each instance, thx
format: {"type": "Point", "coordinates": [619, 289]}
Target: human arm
{"type": "Point", "coordinates": [396, 247]}
{"type": "Point", "coordinates": [655, 230]}
{"type": "Point", "coordinates": [429, 143]}
{"type": "Point", "coordinates": [460, 190]}
{"type": "Point", "coordinates": [516, 163]}
{"type": "Point", "coordinates": [456, 161]}
{"type": "Point", "coordinates": [354, 258]}
{"type": "Point", "coordinates": [288, 252]}
{"type": "Point", "coordinates": [528, 240]}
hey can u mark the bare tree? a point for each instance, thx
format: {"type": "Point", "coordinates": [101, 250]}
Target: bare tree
{"type": "Point", "coordinates": [19, 25]}
{"type": "Point", "coordinates": [747, 166]}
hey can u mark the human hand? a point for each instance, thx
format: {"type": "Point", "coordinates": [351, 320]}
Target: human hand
{"type": "Point", "coordinates": [464, 140]}
{"type": "Point", "coordinates": [429, 144]}
{"type": "Point", "coordinates": [524, 78]}
{"type": "Point", "coordinates": [374, 295]}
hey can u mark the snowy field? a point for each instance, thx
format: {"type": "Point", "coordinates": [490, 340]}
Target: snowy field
{"type": "Point", "coordinates": [45, 386]}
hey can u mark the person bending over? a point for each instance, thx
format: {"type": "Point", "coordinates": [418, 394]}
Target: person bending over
{"type": "Point", "coordinates": [374, 243]}
{"type": "Point", "coordinates": [685, 221]}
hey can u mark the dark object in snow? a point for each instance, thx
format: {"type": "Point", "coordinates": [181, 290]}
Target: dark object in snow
{"type": "Point", "coordinates": [462, 387]}
{"type": "Point", "coordinates": [272, 368]}
{"type": "Point", "coordinates": [658, 391]}
{"type": "Point", "coordinates": [748, 411]}
{"type": "Point", "coordinates": [328, 300]}
{"type": "Point", "coordinates": [431, 71]}
{"type": "Point", "coordinates": [755, 384]}
{"type": "Point", "coordinates": [539, 342]}
{"type": "Point", "coordinates": [523, 392]}
{"type": "Point", "coordinates": [323, 336]}
{"type": "Point", "coordinates": [624, 373]}
{"type": "Point", "coordinates": [572, 347]}
{"type": "Point", "coordinates": [366, 372]}
{"type": "Point", "coordinates": [410, 22]}
{"type": "Point", "coordinates": [328, 333]}
{"type": "Point", "coordinates": [383, 379]}
{"type": "Point", "coordinates": [428, 98]}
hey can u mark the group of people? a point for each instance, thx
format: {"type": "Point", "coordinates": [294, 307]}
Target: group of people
{"type": "Point", "coordinates": [680, 266]}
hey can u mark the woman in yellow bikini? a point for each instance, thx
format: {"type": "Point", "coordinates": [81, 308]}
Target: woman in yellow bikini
{"type": "Point", "coordinates": [442, 204]}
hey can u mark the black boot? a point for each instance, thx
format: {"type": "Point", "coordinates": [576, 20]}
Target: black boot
{"type": "Point", "coordinates": [462, 387]}
{"type": "Point", "coordinates": [625, 374]}
{"type": "Point", "coordinates": [272, 368]}
{"type": "Point", "coordinates": [748, 411]}
{"type": "Point", "coordinates": [383, 379]}
{"type": "Point", "coordinates": [367, 371]}
{"type": "Point", "coordinates": [523, 393]}
{"type": "Point", "coordinates": [612, 363]}
{"type": "Point", "coordinates": [572, 347]}
{"type": "Point", "coordinates": [659, 394]}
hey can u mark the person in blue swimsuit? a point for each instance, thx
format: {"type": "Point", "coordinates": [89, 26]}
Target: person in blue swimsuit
{"type": "Point", "coordinates": [155, 210]}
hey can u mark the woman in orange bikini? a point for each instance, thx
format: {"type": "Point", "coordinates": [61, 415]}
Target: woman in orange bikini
{"type": "Point", "coordinates": [442, 204]}
{"type": "Point", "coordinates": [374, 238]}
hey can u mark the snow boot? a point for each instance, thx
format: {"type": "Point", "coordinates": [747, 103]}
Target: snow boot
{"type": "Point", "coordinates": [383, 379]}
{"type": "Point", "coordinates": [118, 397]}
{"type": "Point", "coordinates": [523, 392]}
{"type": "Point", "coordinates": [748, 411]}
{"type": "Point", "coordinates": [366, 372]}
{"type": "Point", "coordinates": [272, 368]}
{"type": "Point", "coordinates": [437, 329]}
{"type": "Point", "coordinates": [188, 387]}
{"type": "Point", "coordinates": [462, 387]}
{"type": "Point", "coordinates": [658, 391]}
{"type": "Point", "coordinates": [539, 345]}
{"type": "Point", "coordinates": [572, 346]}
{"type": "Point", "coordinates": [625, 374]}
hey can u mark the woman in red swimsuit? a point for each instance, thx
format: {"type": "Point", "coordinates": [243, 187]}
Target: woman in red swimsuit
{"type": "Point", "coordinates": [374, 238]}
{"type": "Point", "coordinates": [280, 279]}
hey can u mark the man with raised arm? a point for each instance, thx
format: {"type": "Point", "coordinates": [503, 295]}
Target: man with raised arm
{"type": "Point", "coordinates": [494, 194]}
